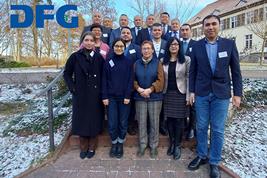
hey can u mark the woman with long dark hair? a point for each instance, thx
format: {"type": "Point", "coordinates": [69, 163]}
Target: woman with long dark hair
{"type": "Point", "coordinates": [83, 75]}
{"type": "Point", "coordinates": [176, 94]}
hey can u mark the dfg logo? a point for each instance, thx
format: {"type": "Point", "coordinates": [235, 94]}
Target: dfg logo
{"type": "Point", "coordinates": [41, 16]}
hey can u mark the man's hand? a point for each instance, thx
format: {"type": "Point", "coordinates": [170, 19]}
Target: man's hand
{"type": "Point", "coordinates": [146, 93]}
{"type": "Point", "coordinates": [105, 102]}
{"type": "Point", "coordinates": [236, 100]}
{"type": "Point", "coordinates": [126, 101]}
{"type": "Point", "coordinates": [192, 99]}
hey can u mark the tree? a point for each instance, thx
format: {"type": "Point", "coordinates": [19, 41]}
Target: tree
{"type": "Point", "coordinates": [87, 7]}
{"type": "Point", "coordinates": [181, 10]}
{"type": "Point", "coordinates": [258, 26]}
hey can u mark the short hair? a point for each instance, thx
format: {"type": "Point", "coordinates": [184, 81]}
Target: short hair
{"type": "Point", "coordinates": [85, 34]}
{"type": "Point", "coordinates": [186, 24]}
{"type": "Point", "coordinates": [94, 25]}
{"type": "Point", "coordinates": [156, 25]}
{"type": "Point", "coordinates": [210, 16]}
{"type": "Point", "coordinates": [116, 40]}
{"type": "Point", "coordinates": [147, 42]}
{"type": "Point", "coordinates": [126, 28]}
{"type": "Point", "coordinates": [150, 16]}
{"type": "Point", "coordinates": [165, 13]}
{"type": "Point", "coordinates": [123, 15]}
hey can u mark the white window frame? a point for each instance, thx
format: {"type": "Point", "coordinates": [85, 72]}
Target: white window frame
{"type": "Point", "coordinates": [248, 41]}
{"type": "Point", "coordinates": [233, 21]}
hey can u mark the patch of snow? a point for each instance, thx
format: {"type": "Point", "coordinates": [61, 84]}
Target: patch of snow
{"type": "Point", "coordinates": [246, 144]}
{"type": "Point", "coordinates": [18, 153]}
{"type": "Point", "coordinates": [29, 70]}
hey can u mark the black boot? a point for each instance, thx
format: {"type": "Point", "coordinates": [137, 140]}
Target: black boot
{"type": "Point", "coordinates": [119, 150]}
{"type": "Point", "coordinates": [177, 152]}
{"type": "Point", "coordinates": [170, 149]}
{"type": "Point", "coordinates": [113, 150]}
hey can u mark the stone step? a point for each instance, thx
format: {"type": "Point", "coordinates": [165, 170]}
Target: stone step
{"type": "Point", "coordinates": [131, 141]}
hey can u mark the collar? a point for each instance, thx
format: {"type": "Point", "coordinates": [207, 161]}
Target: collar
{"type": "Point", "coordinates": [207, 42]}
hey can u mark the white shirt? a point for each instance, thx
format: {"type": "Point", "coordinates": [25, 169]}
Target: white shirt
{"type": "Point", "coordinates": [156, 46]}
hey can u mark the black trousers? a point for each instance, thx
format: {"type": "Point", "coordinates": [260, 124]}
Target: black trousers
{"type": "Point", "coordinates": [175, 128]}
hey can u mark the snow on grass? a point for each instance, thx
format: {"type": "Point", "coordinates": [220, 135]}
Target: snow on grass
{"type": "Point", "coordinates": [24, 137]}
{"type": "Point", "coordinates": [245, 145]}
{"type": "Point", "coordinates": [245, 150]}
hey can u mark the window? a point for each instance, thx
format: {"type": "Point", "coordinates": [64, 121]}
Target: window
{"type": "Point", "coordinates": [250, 17]}
{"type": "Point", "coordinates": [241, 20]}
{"type": "Point", "coordinates": [265, 13]}
{"type": "Point", "coordinates": [234, 22]}
{"type": "Point", "coordinates": [194, 31]}
{"type": "Point", "coordinates": [249, 41]}
{"type": "Point", "coordinates": [199, 31]}
{"type": "Point", "coordinates": [260, 14]}
{"type": "Point", "coordinates": [222, 25]}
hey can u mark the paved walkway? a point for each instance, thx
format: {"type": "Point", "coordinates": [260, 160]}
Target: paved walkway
{"type": "Point", "coordinates": [69, 165]}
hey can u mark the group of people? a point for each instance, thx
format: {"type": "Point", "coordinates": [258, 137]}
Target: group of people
{"type": "Point", "coordinates": [153, 75]}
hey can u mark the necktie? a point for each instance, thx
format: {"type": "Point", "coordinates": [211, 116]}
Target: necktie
{"type": "Point", "coordinates": [163, 30]}
{"type": "Point", "coordinates": [185, 46]}
{"type": "Point", "coordinates": [175, 34]}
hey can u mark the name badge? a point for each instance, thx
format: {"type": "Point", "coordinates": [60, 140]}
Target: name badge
{"type": "Point", "coordinates": [162, 51]}
{"type": "Point", "coordinates": [92, 53]}
{"type": "Point", "coordinates": [111, 63]}
{"type": "Point", "coordinates": [103, 52]}
{"type": "Point", "coordinates": [190, 49]}
{"type": "Point", "coordinates": [223, 54]}
{"type": "Point", "coordinates": [132, 51]}
{"type": "Point", "coordinates": [105, 35]}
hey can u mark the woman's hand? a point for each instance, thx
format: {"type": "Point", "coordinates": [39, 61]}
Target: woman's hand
{"type": "Point", "coordinates": [126, 101]}
{"type": "Point", "coordinates": [105, 102]}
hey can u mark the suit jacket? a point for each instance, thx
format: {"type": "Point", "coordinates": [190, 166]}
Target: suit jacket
{"type": "Point", "coordinates": [201, 79]}
{"type": "Point", "coordinates": [142, 36]}
{"type": "Point", "coordinates": [168, 35]}
{"type": "Point", "coordinates": [190, 47]}
{"type": "Point", "coordinates": [105, 33]}
{"type": "Point", "coordinates": [169, 29]}
{"type": "Point", "coordinates": [134, 53]}
{"type": "Point", "coordinates": [182, 77]}
{"type": "Point", "coordinates": [162, 50]}
{"type": "Point", "coordinates": [134, 35]}
{"type": "Point", "coordinates": [114, 34]}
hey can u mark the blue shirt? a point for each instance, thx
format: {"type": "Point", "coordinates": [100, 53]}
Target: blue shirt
{"type": "Point", "coordinates": [212, 49]}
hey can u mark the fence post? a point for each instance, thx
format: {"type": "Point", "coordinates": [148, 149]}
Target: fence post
{"type": "Point", "coordinates": [50, 120]}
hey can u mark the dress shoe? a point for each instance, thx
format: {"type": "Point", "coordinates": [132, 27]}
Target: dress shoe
{"type": "Point", "coordinates": [132, 130]}
{"type": "Point", "coordinates": [214, 171]}
{"type": "Point", "coordinates": [90, 154]}
{"type": "Point", "coordinates": [83, 154]}
{"type": "Point", "coordinates": [141, 151]}
{"type": "Point", "coordinates": [153, 153]}
{"type": "Point", "coordinates": [163, 131]}
{"type": "Point", "coordinates": [113, 150]}
{"type": "Point", "coordinates": [119, 153]}
{"type": "Point", "coordinates": [190, 134]}
{"type": "Point", "coordinates": [194, 165]}
{"type": "Point", "coordinates": [170, 149]}
{"type": "Point", "coordinates": [177, 152]}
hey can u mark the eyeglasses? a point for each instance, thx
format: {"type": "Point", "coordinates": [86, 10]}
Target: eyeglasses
{"type": "Point", "coordinates": [119, 46]}
{"type": "Point", "coordinates": [174, 44]}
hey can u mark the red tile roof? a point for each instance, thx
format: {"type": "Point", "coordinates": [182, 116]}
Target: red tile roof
{"type": "Point", "coordinates": [220, 7]}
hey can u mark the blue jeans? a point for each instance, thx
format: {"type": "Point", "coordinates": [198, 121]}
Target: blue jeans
{"type": "Point", "coordinates": [210, 110]}
{"type": "Point", "coordinates": [118, 114]}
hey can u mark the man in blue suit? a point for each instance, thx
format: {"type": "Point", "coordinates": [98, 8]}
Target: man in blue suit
{"type": "Point", "coordinates": [210, 88]}
{"type": "Point", "coordinates": [117, 32]}
{"type": "Point", "coordinates": [138, 23]}
{"type": "Point", "coordinates": [164, 20]}
{"type": "Point", "coordinates": [146, 33]}
{"type": "Point", "coordinates": [132, 52]}
{"type": "Point", "coordinates": [175, 27]}
{"type": "Point", "coordinates": [185, 32]}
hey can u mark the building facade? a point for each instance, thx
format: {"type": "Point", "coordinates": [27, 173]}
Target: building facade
{"type": "Point", "coordinates": [245, 21]}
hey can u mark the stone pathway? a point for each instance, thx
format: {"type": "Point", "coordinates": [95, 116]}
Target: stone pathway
{"type": "Point", "coordinates": [69, 165]}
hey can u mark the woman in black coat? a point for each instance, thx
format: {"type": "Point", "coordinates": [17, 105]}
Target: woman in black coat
{"type": "Point", "coordinates": [83, 73]}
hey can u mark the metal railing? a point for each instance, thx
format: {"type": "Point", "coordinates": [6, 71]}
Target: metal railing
{"type": "Point", "coordinates": [53, 112]}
